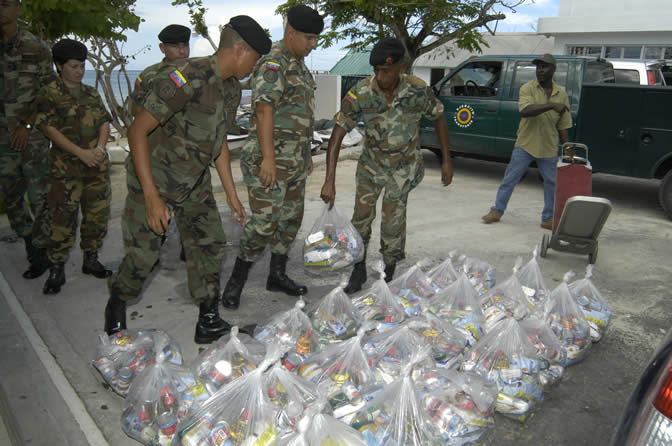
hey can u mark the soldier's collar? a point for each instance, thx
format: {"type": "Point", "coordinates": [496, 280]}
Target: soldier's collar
{"type": "Point", "coordinates": [214, 64]}
{"type": "Point", "coordinates": [286, 51]}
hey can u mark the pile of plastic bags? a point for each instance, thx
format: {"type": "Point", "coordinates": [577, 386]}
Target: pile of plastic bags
{"type": "Point", "coordinates": [424, 360]}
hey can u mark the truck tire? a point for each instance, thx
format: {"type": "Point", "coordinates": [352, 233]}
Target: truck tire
{"type": "Point", "coordinates": [665, 194]}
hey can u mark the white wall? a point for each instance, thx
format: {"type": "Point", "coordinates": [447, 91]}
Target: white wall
{"type": "Point", "coordinates": [423, 73]}
{"type": "Point", "coordinates": [608, 16]}
{"type": "Point", "coordinates": [562, 41]}
{"type": "Point", "coordinates": [327, 96]}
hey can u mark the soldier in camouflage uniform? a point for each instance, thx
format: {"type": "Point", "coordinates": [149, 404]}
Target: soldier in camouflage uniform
{"type": "Point", "coordinates": [25, 67]}
{"type": "Point", "coordinates": [175, 46]}
{"type": "Point", "coordinates": [73, 117]}
{"type": "Point", "coordinates": [276, 157]}
{"type": "Point", "coordinates": [391, 104]}
{"type": "Point", "coordinates": [180, 130]}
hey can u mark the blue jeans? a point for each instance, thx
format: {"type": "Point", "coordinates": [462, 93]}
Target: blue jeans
{"type": "Point", "coordinates": [520, 161]}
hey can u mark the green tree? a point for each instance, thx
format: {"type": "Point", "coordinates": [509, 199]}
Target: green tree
{"type": "Point", "coordinates": [101, 25]}
{"type": "Point", "coordinates": [422, 25]}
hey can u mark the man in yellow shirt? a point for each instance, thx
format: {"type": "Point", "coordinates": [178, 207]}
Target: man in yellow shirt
{"type": "Point", "coordinates": [545, 119]}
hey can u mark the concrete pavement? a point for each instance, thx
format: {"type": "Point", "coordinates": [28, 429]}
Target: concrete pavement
{"type": "Point", "coordinates": [632, 272]}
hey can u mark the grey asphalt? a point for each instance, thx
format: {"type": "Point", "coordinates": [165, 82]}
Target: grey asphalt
{"type": "Point", "coordinates": [632, 272]}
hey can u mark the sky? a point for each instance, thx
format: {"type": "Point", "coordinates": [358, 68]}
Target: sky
{"type": "Point", "coordinates": [158, 13]}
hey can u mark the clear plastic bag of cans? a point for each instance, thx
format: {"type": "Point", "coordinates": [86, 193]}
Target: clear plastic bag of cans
{"type": "Point", "coordinates": [395, 415]}
{"type": "Point", "coordinates": [342, 373]}
{"type": "Point", "coordinates": [594, 307]}
{"type": "Point", "coordinates": [154, 404]}
{"type": "Point", "coordinates": [548, 348]}
{"type": "Point", "coordinates": [458, 305]}
{"type": "Point", "coordinates": [506, 357]}
{"type": "Point", "coordinates": [335, 318]}
{"type": "Point", "coordinates": [480, 273]}
{"type": "Point", "coordinates": [412, 287]}
{"type": "Point", "coordinates": [291, 395]}
{"type": "Point", "coordinates": [566, 319]}
{"type": "Point", "coordinates": [227, 359]}
{"type": "Point", "coordinates": [378, 305]}
{"type": "Point", "coordinates": [532, 281]}
{"type": "Point", "coordinates": [333, 244]}
{"type": "Point", "coordinates": [388, 353]}
{"type": "Point", "coordinates": [460, 404]}
{"type": "Point", "coordinates": [447, 342]}
{"type": "Point", "coordinates": [238, 414]}
{"type": "Point", "coordinates": [505, 299]}
{"type": "Point", "coordinates": [124, 355]}
{"type": "Point", "coordinates": [230, 225]}
{"type": "Point", "coordinates": [444, 273]}
{"type": "Point", "coordinates": [294, 329]}
{"type": "Point", "coordinates": [316, 428]}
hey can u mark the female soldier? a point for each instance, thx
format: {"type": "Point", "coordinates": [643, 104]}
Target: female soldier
{"type": "Point", "coordinates": [73, 117]}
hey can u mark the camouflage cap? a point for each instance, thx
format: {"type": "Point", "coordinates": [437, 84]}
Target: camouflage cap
{"type": "Point", "coordinates": [387, 52]}
{"type": "Point", "coordinates": [67, 49]}
{"type": "Point", "coordinates": [305, 19]}
{"type": "Point", "coordinates": [251, 32]}
{"type": "Point", "coordinates": [173, 34]}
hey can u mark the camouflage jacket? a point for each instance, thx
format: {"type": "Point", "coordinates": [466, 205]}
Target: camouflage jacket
{"type": "Point", "coordinates": [391, 130]}
{"type": "Point", "coordinates": [143, 83]}
{"type": "Point", "coordinates": [78, 119]}
{"type": "Point", "coordinates": [283, 81]}
{"type": "Point", "coordinates": [194, 107]}
{"type": "Point", "coordinates": [25, 67]}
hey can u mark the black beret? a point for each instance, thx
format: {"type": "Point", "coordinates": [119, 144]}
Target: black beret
{"type": "Point", "coordinates": [305, 19]}
{"type": "Point", "coordinates": [251, 32]}
{"type": "Point", "coordinates": [67, 49]}
{"type": "Point", "coordinates": [175, 34]}
{"type": "Point", "coordinates": [387, 52]}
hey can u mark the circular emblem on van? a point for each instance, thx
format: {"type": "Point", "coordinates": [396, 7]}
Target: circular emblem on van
{"type": "Point", "coordinates": [464, 116]}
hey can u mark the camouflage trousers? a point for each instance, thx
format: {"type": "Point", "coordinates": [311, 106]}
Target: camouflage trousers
{"type": "Point", "coordinates": [24, 173]}
{"type": "Point", "coordinates": [277, 212]}
{"type": "Point", "coordinates": [398, 176]}
{"type": "Point", "coordinates": [93, 194]}
{"type": "Point", "coordinates": [202, 236]}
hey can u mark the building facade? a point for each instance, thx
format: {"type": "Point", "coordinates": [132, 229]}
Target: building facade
{"type": "Point", "coordinates": [613, 29]}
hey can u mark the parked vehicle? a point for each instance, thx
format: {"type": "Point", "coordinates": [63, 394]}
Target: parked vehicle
{"type": "Point", "coordinates": [647, 417]}
{"type": "Point", "coordinates": [638, 72]}
{"type": "Point", "coordinates": [628, 128]}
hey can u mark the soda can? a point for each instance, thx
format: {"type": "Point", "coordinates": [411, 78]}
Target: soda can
{"type": "Point", "coordinates": [124, 378]}
{"type": "Point", "coordinates": [167, 423]}
{"type": "Point", "coordinates": [220, 434]}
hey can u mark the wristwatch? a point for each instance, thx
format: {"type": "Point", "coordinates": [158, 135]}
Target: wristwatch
{"type": "Point", "coordinates": [26, 125]}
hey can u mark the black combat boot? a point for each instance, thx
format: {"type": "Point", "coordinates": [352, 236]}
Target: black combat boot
{"type": "Point", "coordinates": [389, 271]}
{"type": "Point", "coordinates": [278, 280]}
{"type": "Point", "coordinates": [30, 249]}
{"type": "Point", "coordinates": [92, 266]}
{"type": "Point", "coordinates": [38, 265]}
{"type": "Point", "coordinates": [183, 256]}
{"type": "Point", "coordinates": [357, 278]}
{"type": "Point", "coordinates": [234, 287]}
{"type": "Point", "coordinates": [55, 280]}
{"type": "Point", "coordinates": [115, 314]}
{"type": "Point", "coordinates": [210, 326]}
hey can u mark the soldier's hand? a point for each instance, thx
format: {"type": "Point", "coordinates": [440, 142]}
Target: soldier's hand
{"type": "Point", "coordinates": [328, 193]}
{"type": "Point", "coordinates": [158, 215]}
{"type": "Point", "coordinates": [237, 210]}
{"type": "Point", "coordinates": [267, 173]}
{"type": "Point", "coordinates": [446, 173]}
{"type": "Point", "coordinates": [89, 157]}
{"type": "Point", "coordinates": [20, 138]}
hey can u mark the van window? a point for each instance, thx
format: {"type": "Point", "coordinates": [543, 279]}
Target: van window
{"type": "Point", "coordinates": [525, 71]}
{"type": "Point", "coordinates": [598, 72]}
{"type": "Point", "coordinates": [627, 76]}
{"type": "Point", "coordinates": [477, 79]}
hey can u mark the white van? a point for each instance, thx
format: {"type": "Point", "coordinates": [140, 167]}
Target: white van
{"type": "Point", "coordinates": [641, 72]}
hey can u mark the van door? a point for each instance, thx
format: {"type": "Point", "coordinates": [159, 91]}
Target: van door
{"type": "Point", "coordinates": [518, 73]}
{"type": "Point", "coordinates": [655, 131]}
{"type": "Point", "coordinates": [470, 96]}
